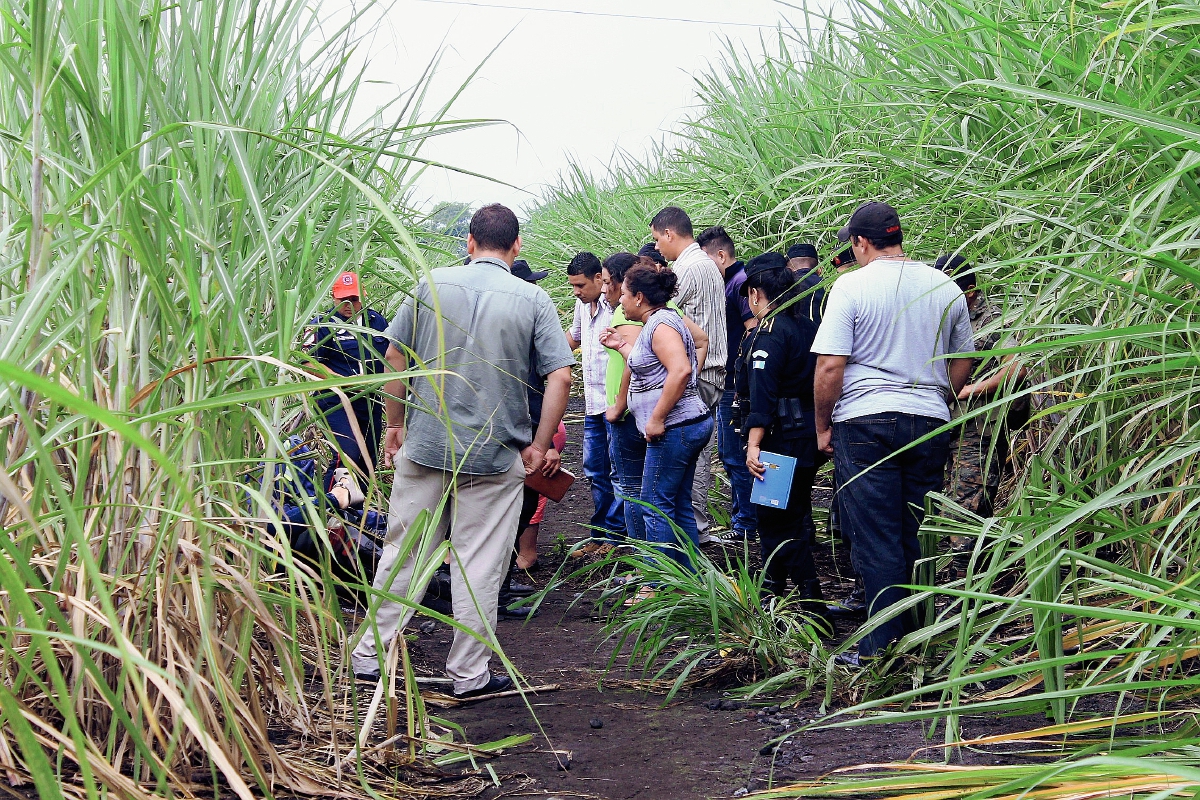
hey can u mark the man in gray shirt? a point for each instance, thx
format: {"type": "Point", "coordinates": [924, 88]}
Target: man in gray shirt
{"type": "Point", "coordinates": [462, 442]}
{"type": "Point", "coordinates": [883, 382]}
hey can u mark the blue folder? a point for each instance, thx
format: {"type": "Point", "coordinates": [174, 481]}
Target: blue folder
{"type": "Point", "coordinates": [776, 485]}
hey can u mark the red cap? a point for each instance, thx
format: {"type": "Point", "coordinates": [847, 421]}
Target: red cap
{"type": "Point", "coordinates": [346, 285]}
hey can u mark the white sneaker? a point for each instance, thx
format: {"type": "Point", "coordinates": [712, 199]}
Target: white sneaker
{"type": "Point", "coordinates": [710, 538]}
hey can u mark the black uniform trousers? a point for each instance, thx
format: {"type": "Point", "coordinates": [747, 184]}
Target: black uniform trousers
{"type": "Point", "coordinates": [368, 413]}
{"type": "Point", "coordinates": [787, 535]}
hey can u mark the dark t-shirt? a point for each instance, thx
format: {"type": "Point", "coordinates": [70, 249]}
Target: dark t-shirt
{"type": "Point", "coordinates": [737, 311]}
{"type": "Point", "coordinates": [811, 301]}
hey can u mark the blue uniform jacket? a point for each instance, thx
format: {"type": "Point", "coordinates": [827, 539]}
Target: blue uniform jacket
{"type": "Point", "coordinates": [345, 351]}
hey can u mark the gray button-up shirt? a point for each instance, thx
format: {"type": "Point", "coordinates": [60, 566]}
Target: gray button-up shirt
{"type": "Point", "coordinates": [496, 329]}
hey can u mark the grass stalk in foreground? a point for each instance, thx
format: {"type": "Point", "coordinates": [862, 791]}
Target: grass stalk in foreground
{"type": "Point", "coordinates": [178, 188]}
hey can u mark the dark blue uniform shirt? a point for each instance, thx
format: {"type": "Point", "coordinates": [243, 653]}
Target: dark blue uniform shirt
{"type": "Point", "coordinates": [345, 351]}
{"type": "Point", "coordinates": [737, 313]}
{"type": "Point", "coordinates": [777, 362]}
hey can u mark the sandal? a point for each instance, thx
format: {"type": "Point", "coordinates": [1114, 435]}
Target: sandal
{"type": "Point", "coordinates": [643, 594]}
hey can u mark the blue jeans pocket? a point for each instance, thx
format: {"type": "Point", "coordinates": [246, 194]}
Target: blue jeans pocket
{"type": "Point", "coordinates": [870, 439]}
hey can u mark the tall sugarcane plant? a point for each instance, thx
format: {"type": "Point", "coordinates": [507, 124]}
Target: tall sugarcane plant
{"type": "Point", "coordinates": [1056, 145]}
{"type": "Point", "coordinates": [179, 183]}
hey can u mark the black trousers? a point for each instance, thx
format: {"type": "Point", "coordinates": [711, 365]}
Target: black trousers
{"type": "Point", "coordinates": [788, 535]}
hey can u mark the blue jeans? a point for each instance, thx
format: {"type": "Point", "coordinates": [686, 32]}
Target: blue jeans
{"type": "Point", "coordinates": [733, 457]}
{"type": "Point", "coordinates": [884, 505]}
{"type": "Point", "coordinates": [667, 487]}
{"type": "Point", "coordinates": [608, 518]}
{"type": "Point", "coordinates": [627, 451]}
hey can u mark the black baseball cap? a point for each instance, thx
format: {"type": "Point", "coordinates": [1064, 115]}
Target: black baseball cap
{"type": "Point", "coordinates": [874, 220]}
{"type": "Point", "coordinates": [521, 269]}
{"type": "Point", "coordinates": [764, 263]}
{"type": "Point", "coordinates": [802, 250]}
{"type": "Point", "coordinates": [844, 258]}
{"type": "Point", "coordinates": [949, 264]}
{"type": "Point", "coordinates": [650, 251]}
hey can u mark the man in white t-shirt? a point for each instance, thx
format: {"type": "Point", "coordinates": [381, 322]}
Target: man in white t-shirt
{"type": "Point", "coordinates": [883, 382]}
{"type": "Point", "coordinates": [701, 295]}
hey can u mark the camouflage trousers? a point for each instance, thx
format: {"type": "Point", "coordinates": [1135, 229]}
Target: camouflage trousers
{"type": "Point", "coordinates": [973, 472]}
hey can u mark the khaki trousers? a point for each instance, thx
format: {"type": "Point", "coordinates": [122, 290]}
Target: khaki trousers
{"type": "Point", "coordinates": [481, 517]}
{"type": "Point", "coordinates": [710, 393]}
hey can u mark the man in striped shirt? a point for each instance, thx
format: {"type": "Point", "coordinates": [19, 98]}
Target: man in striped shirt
{"type": "Point", "coordinates": [592, 315]}
{"type": "Point", "coordinates": [701, 295]}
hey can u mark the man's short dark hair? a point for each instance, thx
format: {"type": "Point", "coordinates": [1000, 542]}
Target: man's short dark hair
{"type": "Point", "coordinates": [885, 241]}
{"type": "Point", "coordinates": [585, 264]}
{"type": "Point", "coordinates": [718, 238]}
{"type": "Point", "coordinates": [674, 219]}
{"type": "Point", "coordinates": [495, 227]}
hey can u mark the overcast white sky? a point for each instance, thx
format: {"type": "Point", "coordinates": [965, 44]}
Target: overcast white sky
{"type": "Point", "coordinates": [568, 84]}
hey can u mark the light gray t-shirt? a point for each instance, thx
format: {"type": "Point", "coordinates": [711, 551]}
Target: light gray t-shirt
{"type": "Point", "coordinates": [894, 318]}
{"type": "Point", "coordinates": [497, 328]}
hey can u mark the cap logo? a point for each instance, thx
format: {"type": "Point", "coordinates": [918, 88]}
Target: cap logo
{"type": "Point", "coordinates": [893, 229]}
{"type": "Point", "coordinates": [347, 280]}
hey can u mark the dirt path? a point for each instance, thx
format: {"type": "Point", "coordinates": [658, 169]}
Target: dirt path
{"type": "Point", "coordinates": [642, 750]}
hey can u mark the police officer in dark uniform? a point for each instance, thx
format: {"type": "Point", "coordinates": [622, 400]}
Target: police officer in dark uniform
{"type": "Point", "coordinates": [802, 261]}
{"type": "Point", "coordinates": [775, 395]}
{"type": "Point", "coordinates": [333, 341]}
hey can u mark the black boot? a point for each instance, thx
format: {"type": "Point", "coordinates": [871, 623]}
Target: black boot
{"type": "Point", "coordinates": [813, 603]}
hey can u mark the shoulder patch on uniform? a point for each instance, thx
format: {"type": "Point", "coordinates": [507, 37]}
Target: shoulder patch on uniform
{"type": "Point", "coordinates": [759, 354]}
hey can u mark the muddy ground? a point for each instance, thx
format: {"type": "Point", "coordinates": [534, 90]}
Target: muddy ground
{"type": "Point", "coordinates": [626, 743]}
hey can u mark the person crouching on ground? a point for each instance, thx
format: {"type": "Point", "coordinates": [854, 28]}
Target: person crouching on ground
{"type": "Point", "coordinates": [775, 388]}
{"type": "Point", "coordinates": [493, 327]}
{"type": "Point", "coordinates": [666, 405]}
{"type": "Point", "coordinates": [329, 339]}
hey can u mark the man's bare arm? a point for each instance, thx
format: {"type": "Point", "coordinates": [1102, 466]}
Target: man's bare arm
{"type": "Point", "coordinates": [1011, 372]}
{"type": "Point", "coordinates": [395, 390]}
{"type": "Point", "coordinates": [554, 405]}
{"type": "Point", "coordinates": [959, 372]}
{"type": "Point", "coordinates": [827, 388]}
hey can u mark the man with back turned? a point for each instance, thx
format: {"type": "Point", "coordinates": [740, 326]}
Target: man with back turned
{"type": "Point", "coordinates": [465, 432]}
{"type": "Point", "coordinates": [883, 382]}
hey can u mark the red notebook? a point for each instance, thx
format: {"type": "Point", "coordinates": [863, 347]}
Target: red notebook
{"type": "Point", "coordinates": [555, 487]}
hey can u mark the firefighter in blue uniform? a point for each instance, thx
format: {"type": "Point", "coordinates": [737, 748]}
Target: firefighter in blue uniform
{"type": "Point", "coordinates": [775, 396]}
{"type": "Point", "coordinates": [333, 341]}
